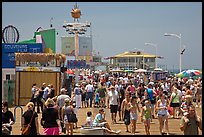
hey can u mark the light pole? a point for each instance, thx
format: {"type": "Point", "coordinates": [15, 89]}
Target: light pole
{"type": "Point", "coordinates": [76, 29]}
{"type": "Point", "coordinates": [178, 36]}
{"type": "Point", "coordinates": [155, 45]}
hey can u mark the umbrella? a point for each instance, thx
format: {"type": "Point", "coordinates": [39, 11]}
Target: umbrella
{"type": "Point", "coordinates": [140, 70]}
{"type": "Point", "coordinates": [157, 69]}
{"type": "Point", "coordinates": [116, 70]}
{"type": "Point", "coordinates": [128, 70]}
{"type": "Point", "coordinates": [189, 73]}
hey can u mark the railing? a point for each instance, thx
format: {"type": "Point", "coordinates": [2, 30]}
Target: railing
{"type": "Point", "coordinates": [15, 112]}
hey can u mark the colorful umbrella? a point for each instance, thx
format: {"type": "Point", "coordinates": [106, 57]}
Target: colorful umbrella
{"type": "Point", "coordinates": [128, 70]}
{"type": "Point", "coordinates": [189, 73]}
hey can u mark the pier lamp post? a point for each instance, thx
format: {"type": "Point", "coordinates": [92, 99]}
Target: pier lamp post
{"type": "Point", "coordinates": [76, 28]}
{"type": "Point", "coordinates": [178, 36]}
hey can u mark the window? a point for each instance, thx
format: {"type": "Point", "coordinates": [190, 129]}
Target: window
{"type": "Point", "coordinates": [7, 76]}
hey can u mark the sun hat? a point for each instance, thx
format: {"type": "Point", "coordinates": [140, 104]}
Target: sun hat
{"type": "Point", "coordinates": [49, 102]}
{"type": "Point", "coordinates": [30, 104]}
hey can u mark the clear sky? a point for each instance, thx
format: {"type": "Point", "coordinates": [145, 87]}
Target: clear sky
{"type": "Point", "coordinates": [120, 26]}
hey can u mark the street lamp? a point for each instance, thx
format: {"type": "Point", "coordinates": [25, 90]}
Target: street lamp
{"type": "Point", "coordinates": [178, 36]}
{"type": "Point", "coordinates": [155, 45]}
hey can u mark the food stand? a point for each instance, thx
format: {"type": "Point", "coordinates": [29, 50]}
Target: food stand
{"type": "Point", "coordinates": [36, 68]}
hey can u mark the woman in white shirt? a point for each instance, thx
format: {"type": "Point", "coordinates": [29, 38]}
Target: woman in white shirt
{"type": "Point", "coordinates": [161, 107]}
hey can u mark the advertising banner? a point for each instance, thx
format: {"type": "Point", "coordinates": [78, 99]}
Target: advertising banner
{"type": "Point", "coordinates": [9, 50]}
{"type": "Point", "coordinates": [71, 64]}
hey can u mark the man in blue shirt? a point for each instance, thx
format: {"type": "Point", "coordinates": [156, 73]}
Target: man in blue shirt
{"type": "Point", "coordinates": [151, 93]}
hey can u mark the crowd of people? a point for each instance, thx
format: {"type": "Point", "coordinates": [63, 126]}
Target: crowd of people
{"type": "Point", "coordinates": [129, 99]}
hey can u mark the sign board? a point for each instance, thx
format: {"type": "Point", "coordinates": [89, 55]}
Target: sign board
{"type": "Point", "coordinates": [71, 64]}
{"type": "Point", "coordinates": [43, 69]}
{"type": "Point", "coordinates": [68, 46]}
{"type": "Point", "coordinates": [9, 50]}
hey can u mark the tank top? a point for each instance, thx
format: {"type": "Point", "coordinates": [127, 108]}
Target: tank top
{"type": "Point", "coordinates": [134, 107]}
{"type": "Point", "coordinates": [162, 111]}
{"type": "Point", "coordinates": [147, 113]}
{"type": "Point", "coordinates": [67, 111]}
{"type": "Point", "coordinates": [132, 89]}
{"type": "Point", "coordinates": [175, 98]}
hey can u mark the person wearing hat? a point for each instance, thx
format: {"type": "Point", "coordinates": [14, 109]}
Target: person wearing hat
{"type": "Point", "coordinates": [190, 122]}
{"type": "Point", "coordinates": [50, 120]}
{"type": "Point", "coordinates": [99, 120]}
{"type": "Point", "coordinates": [78, 94]}
{"type": "Point", "coordinates": [26, 118]}
{"type": "Point", "coordinates": [188, 101]}
{"type": "Point", "coordinates": [113, 101]}
{"type": "Point", "coordinates": [146, 116]}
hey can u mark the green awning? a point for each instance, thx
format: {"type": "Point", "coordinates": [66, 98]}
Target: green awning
{"type": "Point", "coordinates": [31, 41]}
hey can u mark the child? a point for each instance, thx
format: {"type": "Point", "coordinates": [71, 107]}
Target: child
{"type": "Point", "coordinates": [146, 116]}
{"type": "Point", "coordinates": [88, 119]}
{"type": "Point", "coordinates": [97, 99]}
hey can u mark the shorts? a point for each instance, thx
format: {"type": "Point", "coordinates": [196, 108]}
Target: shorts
{"type": "Point", "coordinates": [102, 124]}
{"type": "Point", "coordinates": [113, 108]}
{"type": "Point", "coordinates": [153, 100]}
{"type": "Point", "coordinates": [162, 115]}
{"type": "Point", "coordinates": [174, 105]}
{"type": "Point", "coordinates": [133, 116]}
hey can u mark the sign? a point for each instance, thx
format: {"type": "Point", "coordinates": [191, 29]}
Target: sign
{"type": "Point", "coordinates": [37, 69]}
{"type": "Point", "coordinates": [68, 46]}
{"type": "Point", "coordinates": [9, 50]}
{"type": "Point", "coordinates": [71, 64]}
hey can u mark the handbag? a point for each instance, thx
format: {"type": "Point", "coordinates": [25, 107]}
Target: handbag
{"type": "Point", "coordinates": [26, 128]}
{"type": "Point", "coordinates": [72, 117]}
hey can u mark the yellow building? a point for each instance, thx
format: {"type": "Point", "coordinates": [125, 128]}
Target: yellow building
{"type": "Point", "coordinates": [132, 60]}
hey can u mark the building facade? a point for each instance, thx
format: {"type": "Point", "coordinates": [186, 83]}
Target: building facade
{"type": "Point", "coordinates": [133, 60]}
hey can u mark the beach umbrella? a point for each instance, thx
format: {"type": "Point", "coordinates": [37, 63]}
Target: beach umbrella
{"type": "Point", "coordinates": [128, 70]}
{"type": "Point", "coordinates": [157, 69]}
{"type": "Point", "coordinates": [140, 70]}
{"type": "Point", "coordinates": [189, 73]}
{"type": "Point", "coordinates": [116, 70]}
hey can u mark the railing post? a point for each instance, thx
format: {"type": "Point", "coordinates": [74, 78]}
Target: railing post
{"type": "Point", "coordinates": [15, 112]}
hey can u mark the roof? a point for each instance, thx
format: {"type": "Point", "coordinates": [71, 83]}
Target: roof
{"type": "Point", "coordinates": [135, 54]}
{"type": "Point", "coordinates": [30, 41]}
{"type": "Point", "coordinates": [41, 57]}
